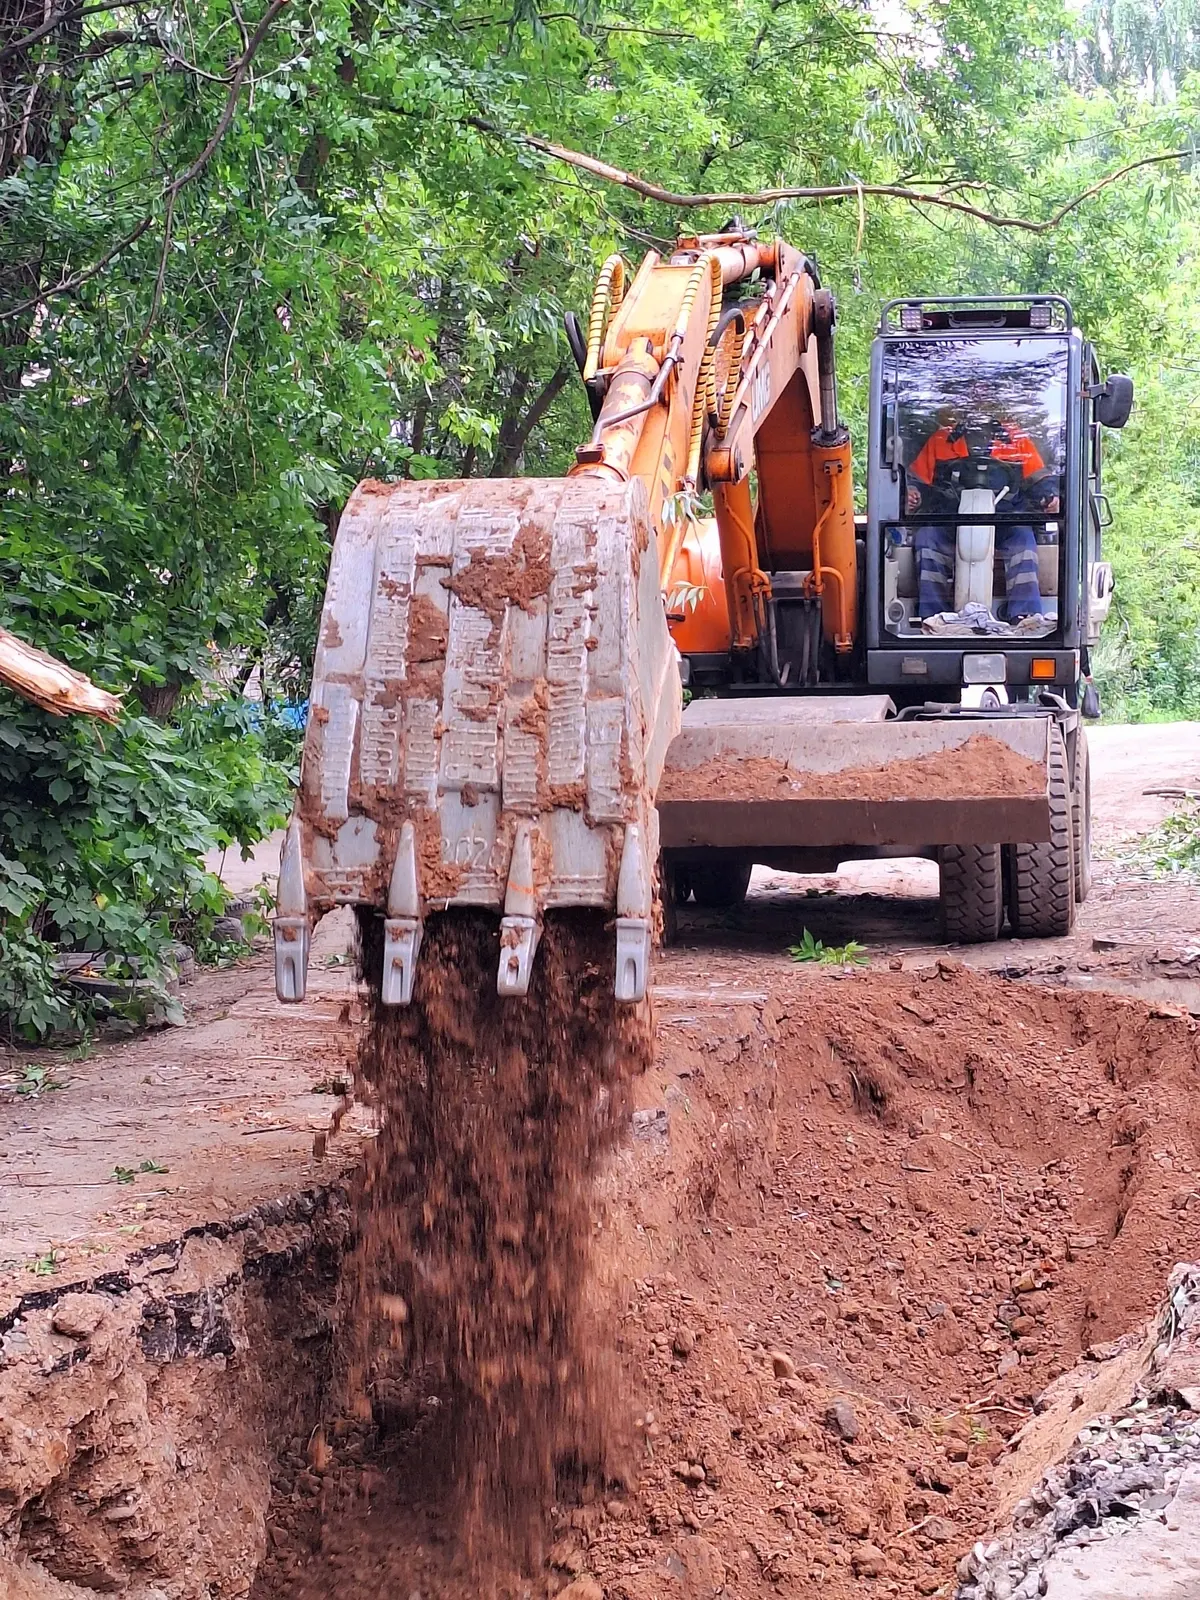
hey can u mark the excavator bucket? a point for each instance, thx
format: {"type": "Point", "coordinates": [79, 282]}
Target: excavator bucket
{"type": "Point", "coordinates": [494, 691]}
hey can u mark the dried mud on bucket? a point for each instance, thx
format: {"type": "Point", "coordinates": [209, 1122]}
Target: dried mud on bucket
{"type": "Point", "coordinates": [470, 1283]}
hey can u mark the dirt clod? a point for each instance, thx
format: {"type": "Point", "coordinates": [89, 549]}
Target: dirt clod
{"type": "Point", "coordinates": [79, 1315]}
{"type": "Point", "coordinates": [868, 1561]}
{"type": "Point", "coordinates": [582, 1589]}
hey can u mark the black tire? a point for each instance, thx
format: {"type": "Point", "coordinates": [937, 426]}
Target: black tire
{"type": "Point", "coordinates": [719, 884]}
{"type": "Point", "coordinates": [1081, 817]}
{"type": "Point", "coordinates": [676, 889]}
{"type": "Point", "coordinates": [679, 879]}
{"type": "Point", "coordinates": [1041, 877]}
{"type": "Point", "coordinates": [972, 893]}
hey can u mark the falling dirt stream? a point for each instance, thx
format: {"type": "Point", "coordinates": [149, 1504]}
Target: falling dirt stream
{"type": "Point", "coordinates": [468, 1322]}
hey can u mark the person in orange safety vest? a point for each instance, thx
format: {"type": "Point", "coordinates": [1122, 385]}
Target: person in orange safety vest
{"type": "Point", "coordinates": [935, 546]}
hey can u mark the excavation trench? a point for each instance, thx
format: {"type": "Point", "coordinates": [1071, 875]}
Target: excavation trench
{"type": "Point", "coordinates": [850, 1228]}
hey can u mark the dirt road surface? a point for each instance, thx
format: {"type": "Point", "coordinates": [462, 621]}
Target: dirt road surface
{"type": "Point", "coordinates": [858, 1222]}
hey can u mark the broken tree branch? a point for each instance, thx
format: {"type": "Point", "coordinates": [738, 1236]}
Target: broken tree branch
{"type": "Point", "coordinates": [51, 684]}
{"type": "Point", "coordinates": [834, 191]}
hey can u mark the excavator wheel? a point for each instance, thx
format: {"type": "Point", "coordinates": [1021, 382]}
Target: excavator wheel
{"type": "Point", "coordinates": [972, 893]}
{"type": "Point", "coordinates": [1041, 877]}
{"type": "Point", "coordinates": [675, 891]}
{"type": "Point", "coordinates": [1081, 817]}
{"type": "Point", "coordinates": [678, 884]}
{"type": "Point", "coordinates": [720, 884]}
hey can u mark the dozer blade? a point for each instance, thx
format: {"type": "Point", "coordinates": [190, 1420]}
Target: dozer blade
{"type": "Point", "coordinates": [494, 691]}
{"type": "Point", "coordinates": [839, 771]}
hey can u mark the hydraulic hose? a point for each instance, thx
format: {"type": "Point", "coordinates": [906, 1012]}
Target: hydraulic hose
{"type": "Point", "coordinates": [706, 390]}
{"type": "Point", "coordinates": [733, 371]}
{"type": "Point", "coordinates": [610, 291]}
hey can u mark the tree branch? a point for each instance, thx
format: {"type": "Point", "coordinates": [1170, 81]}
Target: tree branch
{"type": "Point", "coordinates": [835, 191]}
{"type": "Point", "coordinates": [71, 14]}
{"type": "Point", "coordinates": [515, 429]}
{"type": "Point", "coordinates": [50, 683]}
{"type": "Point", "coordinates": [468, 23]}
{"type": "Point", "coordinates": [170, 192]}
{"type": "Point", "coordinates": [231, 99]}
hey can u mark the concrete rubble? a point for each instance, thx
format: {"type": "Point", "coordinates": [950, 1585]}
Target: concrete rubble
{"type": "Point", "coordinates": [1119, 1516]}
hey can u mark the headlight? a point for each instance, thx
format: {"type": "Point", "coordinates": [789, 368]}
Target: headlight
{"type": "Point", "coordinates": [984, 669]}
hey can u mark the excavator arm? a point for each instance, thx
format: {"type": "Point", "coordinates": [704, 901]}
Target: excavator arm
{"type": "Point", "coordinates": [495, 685]}
{"type": "Point", "coordinates": [718, 363]}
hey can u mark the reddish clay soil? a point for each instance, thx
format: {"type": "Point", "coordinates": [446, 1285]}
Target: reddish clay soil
{"type": "Point", "coordinates": [520, 577]}
{"type": "Point", "coordinates": [977, 769]}
{"type": "Point", "coordinates": [856, 1229]}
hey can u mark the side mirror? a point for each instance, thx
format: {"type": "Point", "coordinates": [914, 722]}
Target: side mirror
{"type": "Point", "coordinates": [1115, 401]}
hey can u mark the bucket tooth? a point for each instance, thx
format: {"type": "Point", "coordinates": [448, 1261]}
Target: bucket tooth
{"type": "Point", "coordinates": [633, 919]}
{"type": "Point", "coordinates": [520, 929]}
{"type": "Point", "coordinates": [292, 927]}
{"type": "Point", "coordinates": [402, 927]}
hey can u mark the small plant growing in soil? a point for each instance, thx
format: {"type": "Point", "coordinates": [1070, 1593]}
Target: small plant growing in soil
{"type": "Point", "coordinates": [1172, 850]}
{"type": "Point", "coordinates": [850, 954]}
{"type": "Point", "coordinates": [130, 1174]}
{"type": "Point", "coordinates": [46, 1266]}
{"type": "Point", "coordinates": [332, 1085]}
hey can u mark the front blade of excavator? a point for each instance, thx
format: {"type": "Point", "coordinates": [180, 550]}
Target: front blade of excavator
{"type": "Point", "coordinates": [834, 771]}
{"type": "Point", "coordinates": [494, 692]}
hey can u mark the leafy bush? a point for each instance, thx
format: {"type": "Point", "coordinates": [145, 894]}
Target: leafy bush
{"type": "Point", "coordinates": [101, 835]}
{"type": "Point", "coordinates": [250, 761]}
{"type": "Point", "coordinates": [1171, 850]}
{"type": "Point", "coordinates": [31, 1003]}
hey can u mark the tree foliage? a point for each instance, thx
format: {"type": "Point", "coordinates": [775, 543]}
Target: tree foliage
{"type": "Point", "coordinates": [253, 255]}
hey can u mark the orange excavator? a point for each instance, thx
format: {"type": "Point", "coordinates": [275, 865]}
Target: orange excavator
{"type": "Point", "coordinates": [498, 694]}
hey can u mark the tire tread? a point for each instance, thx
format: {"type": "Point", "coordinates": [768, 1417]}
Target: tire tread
{"type": "Point", "coordinates": [972, 893]}
{"type": "Point", "coordinates": [1041, 877]}
{"type": "Point", "coordinates": [1081, 822]}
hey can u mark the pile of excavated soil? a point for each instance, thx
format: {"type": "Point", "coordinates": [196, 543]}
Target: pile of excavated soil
{"type": "Point", "coordinates": [855, 1231]}
{"type": "Point", "coordinates": [979, 768]}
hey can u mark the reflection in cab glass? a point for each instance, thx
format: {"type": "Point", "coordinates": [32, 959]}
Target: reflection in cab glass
{"type": "Point", "coordinates": [976, 429]}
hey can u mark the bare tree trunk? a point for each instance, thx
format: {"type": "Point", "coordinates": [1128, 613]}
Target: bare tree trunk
{"type": "Point", "coordinates": [515, 429]}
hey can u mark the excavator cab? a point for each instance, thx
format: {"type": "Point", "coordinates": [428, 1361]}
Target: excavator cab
{"type": "Point", "coordinates": [984, 500]}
